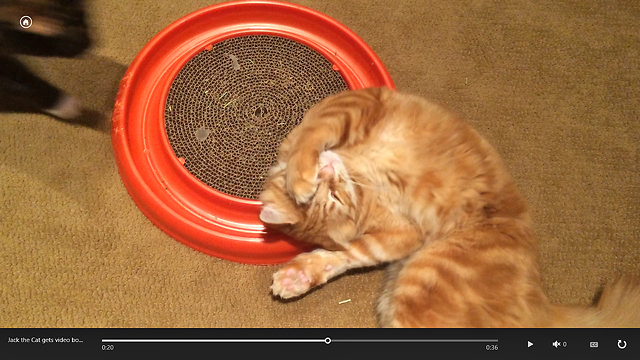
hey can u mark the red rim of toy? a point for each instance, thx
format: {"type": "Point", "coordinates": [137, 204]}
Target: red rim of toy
{"type": "Point", "coordinates": [174, 200]}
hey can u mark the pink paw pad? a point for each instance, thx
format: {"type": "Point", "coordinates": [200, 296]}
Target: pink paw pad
{"type": "Point", "coordinates": [303, 277]}
{"type": "Point", "coordinates": [290, 282]}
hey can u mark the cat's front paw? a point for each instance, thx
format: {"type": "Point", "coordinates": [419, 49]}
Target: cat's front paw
{"type": "Point", "coordinates": [290, 282]}
{"type": "Point", "coordinates": [302, 176]}
{"type": "Point", "coordinates": [302, 190]}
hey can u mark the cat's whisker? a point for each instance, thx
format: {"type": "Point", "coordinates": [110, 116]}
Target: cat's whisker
{"type": "Point", "coordinates": [363, 185]}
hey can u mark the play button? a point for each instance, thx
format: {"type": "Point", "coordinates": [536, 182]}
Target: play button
{"type": "Point", "coordinates": [529, 344]}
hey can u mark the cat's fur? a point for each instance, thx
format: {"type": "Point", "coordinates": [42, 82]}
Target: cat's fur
{"type": "Point", "coordinates": [375, 176]}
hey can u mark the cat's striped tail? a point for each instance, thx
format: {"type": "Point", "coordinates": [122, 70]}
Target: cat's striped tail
{"type": "Point", "coordinates": [618, 306]}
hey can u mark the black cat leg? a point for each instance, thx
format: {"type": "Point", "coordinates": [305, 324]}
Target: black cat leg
{"type": "Point", "coordinates": [20, 88]}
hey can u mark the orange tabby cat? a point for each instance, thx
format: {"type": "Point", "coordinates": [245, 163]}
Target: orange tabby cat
{"type": "Point", "coordinates": [374, 176]}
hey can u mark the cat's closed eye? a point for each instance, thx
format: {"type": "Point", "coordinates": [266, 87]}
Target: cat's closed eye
{"type": "Point", "coordinates": [334, 195]}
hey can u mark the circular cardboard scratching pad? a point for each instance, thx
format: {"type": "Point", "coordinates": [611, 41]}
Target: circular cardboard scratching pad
{"type": "Point", "coordinates": [203, 108]}
{"type": "Point", "coordinates": [230, 107]}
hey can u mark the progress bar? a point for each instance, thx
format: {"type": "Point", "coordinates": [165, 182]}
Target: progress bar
{"type": "Point", "coordinates": [325, 340]}
{"type": "Point", "coordinates": [418, 340]}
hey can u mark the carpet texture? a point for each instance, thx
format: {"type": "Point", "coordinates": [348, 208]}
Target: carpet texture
{"type": "Point", "coordinates": [553, 85]}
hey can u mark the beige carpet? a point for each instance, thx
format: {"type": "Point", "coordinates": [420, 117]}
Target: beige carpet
{"type": "Point", "coordinates": [554, 85]}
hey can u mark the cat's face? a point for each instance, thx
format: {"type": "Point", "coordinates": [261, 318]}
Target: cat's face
{"type": "Point", "coordinates": [328, 220]}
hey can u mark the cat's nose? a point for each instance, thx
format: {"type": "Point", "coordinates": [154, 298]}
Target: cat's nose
{"type": "Point", "coordinates": [326, 171]}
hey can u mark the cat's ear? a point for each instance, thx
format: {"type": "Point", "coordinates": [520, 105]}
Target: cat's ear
{"type": "Point", "coordinates": [272, 215]}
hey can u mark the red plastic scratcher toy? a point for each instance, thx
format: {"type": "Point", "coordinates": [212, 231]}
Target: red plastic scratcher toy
{"type": "Point", "coordinates": [203, 107]}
